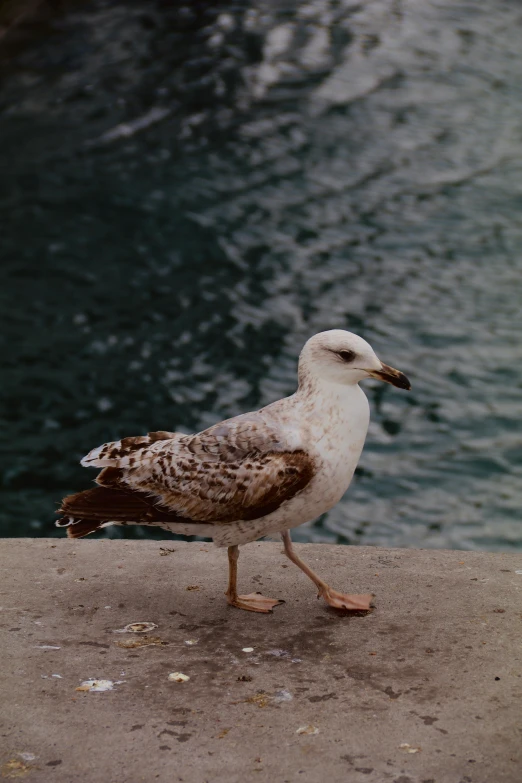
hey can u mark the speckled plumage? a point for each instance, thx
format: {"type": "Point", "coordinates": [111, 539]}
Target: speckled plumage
{"type": "Point", "coordinates": [249, 476]}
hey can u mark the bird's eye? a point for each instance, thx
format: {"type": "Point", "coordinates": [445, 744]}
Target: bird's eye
{"type": "Point", "coordinates": [347, 356]}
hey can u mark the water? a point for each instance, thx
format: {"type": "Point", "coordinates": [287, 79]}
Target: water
{"type": "Point", "coordinates": [190, 192]}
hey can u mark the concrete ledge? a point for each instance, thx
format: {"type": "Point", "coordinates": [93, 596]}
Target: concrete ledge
{"type": "Point", "coordinates": [423, 689]}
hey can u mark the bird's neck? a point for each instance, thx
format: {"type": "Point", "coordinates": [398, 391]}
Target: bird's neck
{"type": "Point", "coordinates": [333, 413]}
{"type": "Point", "coordinates": [316, 391]}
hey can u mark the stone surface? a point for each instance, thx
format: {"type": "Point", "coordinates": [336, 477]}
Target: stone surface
{"type": "Point", "coordinates": [425, 688]}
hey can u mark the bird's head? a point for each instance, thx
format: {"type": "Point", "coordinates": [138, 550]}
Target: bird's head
{"type": "Point", "coordinates": [345, 358]}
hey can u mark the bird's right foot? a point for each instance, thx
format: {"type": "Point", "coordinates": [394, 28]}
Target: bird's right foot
{"type": "Point", "coordinates": [354, 603]}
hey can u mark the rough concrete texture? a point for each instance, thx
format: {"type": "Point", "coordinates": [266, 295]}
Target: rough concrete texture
{"type": "Point", "coordinates": [423, 689]}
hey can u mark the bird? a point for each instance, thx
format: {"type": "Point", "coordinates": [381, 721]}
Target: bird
{"type": "Point", "coordinates": [257, 474]}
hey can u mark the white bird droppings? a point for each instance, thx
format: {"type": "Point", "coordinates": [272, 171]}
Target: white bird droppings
{"type": "Point", "coordinates": [25, 757]}
{"type": "Point", "coordinates": [307, 729]}
{"type": "Point", "coordinates": [284, 695]}
{"type": "Point", "coordinates": [178, 677]}
{"type": "Point", "coordinates": [95, 686]}
{"type": "Point", "coordinates": [137, 628]}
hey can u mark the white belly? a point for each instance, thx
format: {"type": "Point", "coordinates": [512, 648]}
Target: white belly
{"type": "Point", "coordinates": [335, 442]}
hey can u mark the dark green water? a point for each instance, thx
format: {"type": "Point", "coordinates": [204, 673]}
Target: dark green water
{"type": "Point", "coordinates": [189, 192]}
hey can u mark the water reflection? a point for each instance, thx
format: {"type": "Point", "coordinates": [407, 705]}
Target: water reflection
{"type": "Point", "coordinates": [194, 190]}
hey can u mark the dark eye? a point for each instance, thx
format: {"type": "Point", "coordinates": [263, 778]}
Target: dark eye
{"type": "Point", "coordinates": [347, 356]}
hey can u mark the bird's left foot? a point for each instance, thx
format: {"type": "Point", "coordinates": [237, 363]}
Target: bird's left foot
{"type": "Point", "coordinates": [253, 602]}
{"type": "Point", "coordinates": [358, 603]}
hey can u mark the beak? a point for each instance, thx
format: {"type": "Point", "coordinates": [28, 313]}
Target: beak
{"type": "Point", "coordinates": [391, 375]}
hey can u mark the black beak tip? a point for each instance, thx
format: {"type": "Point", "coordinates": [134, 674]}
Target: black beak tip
{"type": "Point", "coordinates": [403, 382]}
{"type": "Point", "coordinates": [394, 377]}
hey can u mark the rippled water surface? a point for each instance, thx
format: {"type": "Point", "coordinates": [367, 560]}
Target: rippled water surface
{"type": "Point", "coordinates": [189, 192]}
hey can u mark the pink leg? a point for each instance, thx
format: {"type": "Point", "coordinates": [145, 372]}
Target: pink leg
{"type": "Point", "coordinates": [332, 597]}
{"type": "Point", "coordinates": [253, 602]}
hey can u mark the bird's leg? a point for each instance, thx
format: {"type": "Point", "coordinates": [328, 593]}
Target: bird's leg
{"type": "Point", "coordinates": [253, 602]}
{"type": "Point", "coordinates": [332, 597]}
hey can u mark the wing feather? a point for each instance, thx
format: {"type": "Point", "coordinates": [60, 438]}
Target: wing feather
{"type": "Point", "coordinates": [119, 452]}
{"type": "Point", "coordinates": [242, 469]}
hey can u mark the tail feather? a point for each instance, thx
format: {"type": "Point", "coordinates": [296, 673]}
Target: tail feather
{"type": "Point", "coordinates": [82, 527]}
{"type": "Point", "coordinates": [106, 505]}
{"type": "Point", "coordinates": [87, 511]}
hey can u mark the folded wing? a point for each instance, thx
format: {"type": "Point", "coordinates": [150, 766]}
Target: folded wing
{"type": "Point", "coordinates": [242, 469]}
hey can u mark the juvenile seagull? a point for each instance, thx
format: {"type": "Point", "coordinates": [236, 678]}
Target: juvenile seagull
{"type": "Point", "coordinates": [258, 473]}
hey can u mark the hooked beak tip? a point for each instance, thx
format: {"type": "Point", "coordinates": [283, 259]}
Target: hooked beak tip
{"type": "Point", "coordinates": [393, 376]}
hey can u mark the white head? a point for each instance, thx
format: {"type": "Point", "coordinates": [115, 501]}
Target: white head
{"type": "Point", "coordinates": [344, 358]}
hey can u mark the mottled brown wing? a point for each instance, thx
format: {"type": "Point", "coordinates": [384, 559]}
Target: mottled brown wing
{"type": "Point", "coordinates": [123, 452]}
{"type": "Point", "coordinates": [238, 470]}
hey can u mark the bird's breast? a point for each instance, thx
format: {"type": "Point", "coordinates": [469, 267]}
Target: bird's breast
{"type": "Point", "coordinates": [337, 439]}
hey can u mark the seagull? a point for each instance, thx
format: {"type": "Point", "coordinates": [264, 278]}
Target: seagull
{"type": "Point", "coordinates": [247, 477]}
